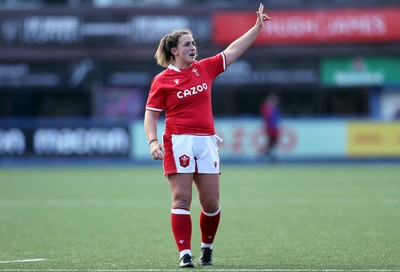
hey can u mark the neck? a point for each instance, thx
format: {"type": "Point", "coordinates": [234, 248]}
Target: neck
{"type": "Point", "coordinates": [182, 65]}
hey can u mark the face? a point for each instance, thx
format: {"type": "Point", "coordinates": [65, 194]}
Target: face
{"type": "Point", "coordinates": [186, 52]}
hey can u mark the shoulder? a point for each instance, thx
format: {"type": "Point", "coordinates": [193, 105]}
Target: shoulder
{"type": "Point", "coordinates": [215, 58]}
{"type": "Point", "coordinates": [160, 77]}
{"type": "Point", "coordinates": [218, 60]}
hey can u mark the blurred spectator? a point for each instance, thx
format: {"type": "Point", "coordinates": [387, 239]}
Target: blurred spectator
{"type": "Point", "coordinates": [396, 115]}
{"type": "Point", "coordinates": [271, 117]}
{"type": "Point", "coordinates": [123, 103]}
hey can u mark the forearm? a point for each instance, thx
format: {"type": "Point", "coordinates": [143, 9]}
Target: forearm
{"type": "Point", "coordinates": [239, 46]}
{"type": "Point", "coordinates": [150, 125]}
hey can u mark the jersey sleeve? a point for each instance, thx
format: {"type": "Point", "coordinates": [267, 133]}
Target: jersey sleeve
{"type": "Point", "coordinates": [215, 65]}
{"type": "Point", "coordinates": [156, 98]}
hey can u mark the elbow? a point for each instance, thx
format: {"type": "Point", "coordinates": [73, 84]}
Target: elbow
{"type": "Point", "coordinates": [151, 116]}
{"type": "Point", "coordinates": [231, 56]}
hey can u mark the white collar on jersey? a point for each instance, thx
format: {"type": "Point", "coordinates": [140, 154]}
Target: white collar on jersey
{"type": "Point", "coordinates": [172, 67]}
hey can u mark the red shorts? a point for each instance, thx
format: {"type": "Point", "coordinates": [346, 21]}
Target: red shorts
{"type": "Point", "coordinates": [190, 154]}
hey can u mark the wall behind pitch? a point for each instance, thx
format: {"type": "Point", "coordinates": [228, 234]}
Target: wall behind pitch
{"type": "Point", "coordinates": [244, 139]}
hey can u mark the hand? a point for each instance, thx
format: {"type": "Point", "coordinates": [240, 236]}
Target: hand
{"type": "Point", "coordinates": [261, 16]}
{"type": "Point", "coordinates": [157, 151]}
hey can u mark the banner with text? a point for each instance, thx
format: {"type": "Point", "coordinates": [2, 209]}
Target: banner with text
{"type": "Point", "coordinates": [360, 71]}
{"type": "Point", "coordinates": [306, 27]}
{"type": "Point", "coordinates": [65, 141]}
{"type": "Point", "coordinates": [373, 139]}
{"type": "Point", "coordinates": [99, 28]}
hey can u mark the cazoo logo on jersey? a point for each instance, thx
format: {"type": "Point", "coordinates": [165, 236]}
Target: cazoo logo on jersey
{"type": "Point", "coordinates": [192, 91]}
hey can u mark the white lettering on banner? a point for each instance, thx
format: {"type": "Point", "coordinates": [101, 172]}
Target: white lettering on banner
{"type": "Point", "coordinates": [129, 78]}
{"type": "Point", "coordinates": [293, 26]}
{"type": "Point", "coordinates": [57, 29]}
{"type": "Point", "coordinates": [352, 78]}
{"type": "Point", "coordinates": [19, 75]}
{"type": "Point", "coordinates": [38, 80]}
{"type": "Point", "coordinates": [12, 141]}
{"type": "Point", "coordinates": [13, 70]}
{"type": "Point", "coordinates": [105, 29]}
{"type": "Point", "coordinates": [365, 24]}
{"type": "Point", "coordinates": [149, 28]}
{"type": "Point", "coordinates": [192, 91]}
{"type": "Point", "coordinates": [271, 76]}
{"type": "Point", "coordinates": [81, 141]}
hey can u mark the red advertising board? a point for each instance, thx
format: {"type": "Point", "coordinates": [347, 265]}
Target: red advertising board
{"type": "Point", "coordinates": [317, 26]}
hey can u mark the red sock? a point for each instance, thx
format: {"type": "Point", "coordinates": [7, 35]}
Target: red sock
{"type": "Point", "coordinates": [209, 224]}
{"type": "Point", "coordinates": [181, 223]}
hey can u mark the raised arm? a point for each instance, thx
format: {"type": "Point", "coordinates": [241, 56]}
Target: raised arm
{"type": "Point", "coordinates": [239, 46]}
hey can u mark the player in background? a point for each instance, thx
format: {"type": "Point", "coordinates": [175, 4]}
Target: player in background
{"type": "Point", "coordinates": [271, 117]}
{"type": "Point", "coordinates": [189, 148]}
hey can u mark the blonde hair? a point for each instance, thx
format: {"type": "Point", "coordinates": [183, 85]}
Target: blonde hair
{"type": "Point", "coordinates": [163, 54]}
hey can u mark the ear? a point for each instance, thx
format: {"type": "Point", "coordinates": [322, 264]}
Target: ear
{"type": "Point", "coordinates": [174, 51]}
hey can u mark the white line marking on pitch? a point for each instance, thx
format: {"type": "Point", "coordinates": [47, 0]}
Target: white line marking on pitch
{"type": "Point", "coordinates": [23, 261]}
{"type": "Point", "coordinates": [219, 270]}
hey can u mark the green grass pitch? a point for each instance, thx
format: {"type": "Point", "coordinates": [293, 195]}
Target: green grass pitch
{"type": "Point", "coordinates": [287, 218]}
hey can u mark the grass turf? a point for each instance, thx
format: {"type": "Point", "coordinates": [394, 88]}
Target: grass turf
{"type": "Point", "coordinates": [343, 217]}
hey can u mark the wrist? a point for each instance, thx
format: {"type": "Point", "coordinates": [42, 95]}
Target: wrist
{"type": "Point", "coordinates": [153, 141]}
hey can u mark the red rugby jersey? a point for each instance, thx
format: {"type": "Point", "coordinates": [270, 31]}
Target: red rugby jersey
{"type": "Point", "coordinates": [185, 95]}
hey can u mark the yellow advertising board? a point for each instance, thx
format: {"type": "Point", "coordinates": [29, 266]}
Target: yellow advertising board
{"type": "Point", "coordinates": [366, 139]}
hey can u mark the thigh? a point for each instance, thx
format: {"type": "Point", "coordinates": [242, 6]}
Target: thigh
{"type": "Point", "coordinates": [207, 157]}
{"type": "Point", "coordinates": [208, 187]}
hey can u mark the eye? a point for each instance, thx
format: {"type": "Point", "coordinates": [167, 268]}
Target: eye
{"type": "Point", "coordinates": [190, 43]}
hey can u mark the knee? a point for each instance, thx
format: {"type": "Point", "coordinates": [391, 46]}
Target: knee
{"type": "Point", "coordinates": [210, 206]}
{"type": "Point", "coordinates": [181, 203]}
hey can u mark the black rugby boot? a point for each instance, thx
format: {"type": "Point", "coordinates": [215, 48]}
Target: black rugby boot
{"type": "Point", "coordinates": [186, 261]}
{"type": "Point", "coordinates": [206, 257]}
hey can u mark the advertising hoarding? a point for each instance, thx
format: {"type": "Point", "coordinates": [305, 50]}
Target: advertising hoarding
{"type": "Point", "coordinates": [261, 72]}
{"type": "Point", "coordinates": [368, 139]}
{"type": "Point", "coordinates": [44, 140]}
{"type": "Point", "coordinates": [97, 28]}
{"type": "Point", "coordinates": [360, 71]}
{"type": "Point", "coordinates": [243, 139]}
{"type": "Point", "coordinates": [363, 25]}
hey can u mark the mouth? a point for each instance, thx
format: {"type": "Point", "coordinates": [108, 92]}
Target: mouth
{"type": "Point", "coordinates": [192, 55]}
